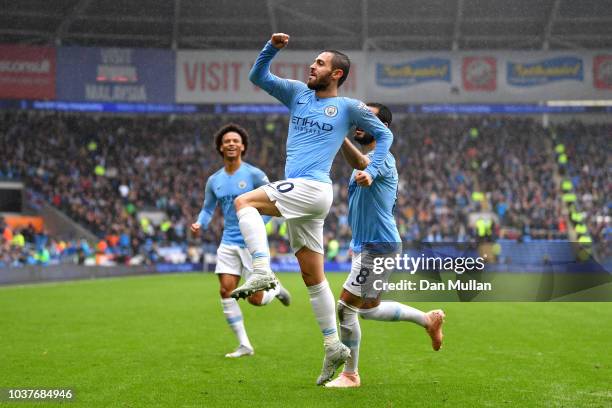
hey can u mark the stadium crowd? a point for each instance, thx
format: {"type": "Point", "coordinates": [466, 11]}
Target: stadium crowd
{"type": "Point", "coordinates": [107, 173]}
{"type": "Point", "coordinates": [584, 160]}
{"type": "Point", "coordinates": [26, 246]}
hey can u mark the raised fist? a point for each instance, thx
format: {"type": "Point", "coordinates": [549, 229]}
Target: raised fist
{"type": "Point", "coordinates": [279, 40]}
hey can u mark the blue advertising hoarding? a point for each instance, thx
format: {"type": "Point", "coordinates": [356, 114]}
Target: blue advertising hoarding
{"type": "Point", "coordinates": [132, 75]}
{"type": "Point", "coordinates": [413, 72]}
{"type": "Point", "coordinates": [262, 109]}
{"type": "Point", "coordinates": [545, 71]}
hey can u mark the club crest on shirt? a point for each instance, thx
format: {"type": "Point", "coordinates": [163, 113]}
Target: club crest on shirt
{"type": "Point", "coordinates": [331, 111]}
{"type": "Point", "coordinates": [242, 184]}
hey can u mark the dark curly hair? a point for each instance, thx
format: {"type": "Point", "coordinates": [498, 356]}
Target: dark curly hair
{"type": "Point", "coordinates": [232, 127]}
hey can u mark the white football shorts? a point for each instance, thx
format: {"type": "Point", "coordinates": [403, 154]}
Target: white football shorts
{"type": "Point", "coordinates": [354, 282]}
{"type": "Point", "coordinates": [365, 280]}
{"type": "Point", "coordinates": [234, 260]}
{"type": "Point", "coordinates": [304, 204]}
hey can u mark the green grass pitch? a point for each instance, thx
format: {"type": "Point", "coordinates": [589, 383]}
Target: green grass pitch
{"type": "Point", "coordinates": [160, 340]}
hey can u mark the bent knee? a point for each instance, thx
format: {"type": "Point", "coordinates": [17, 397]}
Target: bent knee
{"type": "Point", "coordinates": [225, 292]}
{"type": "Point", "coordinates": [370, 304]}
{"type": "Point", "coordinates": [240, 202]}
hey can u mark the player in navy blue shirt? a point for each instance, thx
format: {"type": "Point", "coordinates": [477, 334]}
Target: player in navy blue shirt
{"type": "Point", "coordinates": [372, 221]}
{"type": "Point", "coordinates": [233, 259]}
{"type": "Point", "coordinates": [319, 121]}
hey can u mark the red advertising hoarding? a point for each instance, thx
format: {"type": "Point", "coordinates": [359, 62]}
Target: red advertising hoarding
{"type": "Point", "coordinates": [479, 74]}
{"type": "Point", "coordinates": [602, 72]}
{"type": "Point", "coordinates": [27, 72]}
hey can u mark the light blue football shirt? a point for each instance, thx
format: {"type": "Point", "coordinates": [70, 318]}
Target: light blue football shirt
{"type": "Point", "coordinates": [223, 188]}
{"type": "Point", "coordinates": [317, 126]}
{"type": "Point", "coordinates": [371, 208]}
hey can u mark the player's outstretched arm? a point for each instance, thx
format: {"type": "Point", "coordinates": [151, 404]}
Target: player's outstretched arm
{"type": "Point", "coordinates": [353, 156]}
{"type": "Point", "coordinates": [282, 89]}
{"type": "Point", "coordinates": [208, 208]}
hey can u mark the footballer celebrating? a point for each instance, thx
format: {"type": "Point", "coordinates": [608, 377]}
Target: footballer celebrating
{"type": "Point", "coordinates": [319, 120]}
{"type": "Point", "coordinates": [233, 259]}
{"type": "Point", "coordinates": [373, 225]}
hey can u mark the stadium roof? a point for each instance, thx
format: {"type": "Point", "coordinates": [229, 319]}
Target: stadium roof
{"type": "Point", "coordinates": [313, 24]}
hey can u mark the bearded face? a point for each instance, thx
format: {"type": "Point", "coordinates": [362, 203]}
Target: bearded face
{"type": "Point", "coordinates": [321, 70]}
{"type": "Point", "coordinates": [319, 81]}
{"type": "Point", "coordinates": [362, 137]}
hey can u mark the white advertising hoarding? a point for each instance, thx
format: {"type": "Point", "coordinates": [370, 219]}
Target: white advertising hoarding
{"type": "Point", "coordinates": [222, 76]}
{"type": "Point", "coordinates": [408, 77]}
{"type": "Point", "coordinates": [466, 77]}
